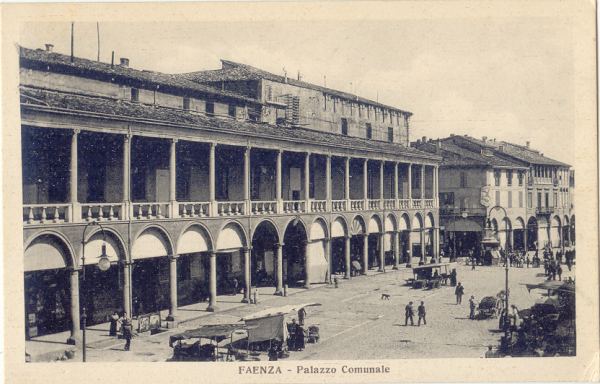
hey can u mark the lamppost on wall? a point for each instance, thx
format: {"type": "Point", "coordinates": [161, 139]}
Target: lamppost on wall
{"type": "Point", "coordinates": [491, 240]}
{"type": "Point", "coordinates": [103, 265]}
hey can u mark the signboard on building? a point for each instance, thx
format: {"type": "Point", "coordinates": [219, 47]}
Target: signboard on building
{"type": "Point", "coordinates": [149, 322]}
{"type": "Point", "coordinates": [485, 196]}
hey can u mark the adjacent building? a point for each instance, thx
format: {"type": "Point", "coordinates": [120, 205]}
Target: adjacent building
{"type": "Point", "coordinates": [203, 181]}
{"type": "Point", "coordinates": [526, 196]}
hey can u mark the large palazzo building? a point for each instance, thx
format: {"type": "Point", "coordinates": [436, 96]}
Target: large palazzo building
{"type": "Point", "coordinates": [202, 180]}
{"type": "Point", "coordinates": [526, 196]}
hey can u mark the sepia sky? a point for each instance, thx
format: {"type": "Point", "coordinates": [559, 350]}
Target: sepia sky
{"type": "Point", "coordinates": [509, 78]}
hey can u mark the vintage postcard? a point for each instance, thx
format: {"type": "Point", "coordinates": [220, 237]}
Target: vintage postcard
{"type": "Point", "coordinates": [300, 192]}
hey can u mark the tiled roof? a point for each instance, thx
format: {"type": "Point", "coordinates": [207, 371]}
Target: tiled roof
{"type": "Point", "coordinates": [515, 151]}
{"type": "Point", "coordinates": [67, 102]}
{"type": "Point", "coordinates": [233, 71]}
{"type": "Point", "coordinates": [454, 155]}
{"type": "Point", "coordinates": [56, 62]}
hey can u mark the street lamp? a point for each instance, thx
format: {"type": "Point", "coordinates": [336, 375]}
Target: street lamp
{"type": "Point", "coordinates": [488, 237]}
{"type": "Point", "coordinates": [103, 265]}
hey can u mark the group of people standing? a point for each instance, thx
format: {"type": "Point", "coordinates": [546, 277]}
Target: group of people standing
{"type": "Point", "coordinates": [409, 313]}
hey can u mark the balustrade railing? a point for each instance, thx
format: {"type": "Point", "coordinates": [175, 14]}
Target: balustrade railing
{"type": "Point", "coordinates": [263, 207]}
{"type": "Point", "coordinates": [318, 205]}
{"type": "Point", "coordinates": [338, 205]}
{"type": "Point", "coordinates": [101, 211]}
{"type": "Point", "coordinates": [417, 204]}
{"type": "Point", "coordinates": [389, 204]}
{"type": "Point", "coordinates": [230, 208]}
{"type": "Point", "coordinates": [46, 213]}
{"type": "Point", "coordinates": [357, 205]}
{"type": "Point", "coordinates": [194, 209]}
{"type": "Point", "coordinates": [404, 203]}
{"type": "Point", "coordinates": [429, 203]}
{"type": "Point", "coordinates": [294, 206]}
{"type": "Point", "coordinates": [142, 211]}
{"type": "Point", "coordinates": [374, 204]}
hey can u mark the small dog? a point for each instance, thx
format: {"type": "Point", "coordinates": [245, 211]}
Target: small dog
{"type": "Point", "coordinates": [385, 296]}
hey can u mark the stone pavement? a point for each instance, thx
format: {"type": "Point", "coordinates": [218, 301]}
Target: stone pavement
{"type": "Point", "coordinates": [355, 323]}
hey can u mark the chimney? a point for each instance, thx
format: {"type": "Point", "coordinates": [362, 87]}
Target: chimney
{"type": "Point", "coordinates": [439, 144]}
{"type": "Point", "coordinates": [484, 138]}
{"type": "Point", "coordinates": [527, 144]}
{"type": "Point", "coordinates": [124, 62]}
{"type": "Point", "coordinates": [424, 139]}
{"type": "Point", "coordinates": [49, 47]}
{"type": "Point", "coordinates": [299, 76]}
{"type": "Point", "coordinates": [285, 78]}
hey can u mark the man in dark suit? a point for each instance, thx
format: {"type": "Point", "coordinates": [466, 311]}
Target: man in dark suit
{"type": "Point", "coordinates": [408, 314]}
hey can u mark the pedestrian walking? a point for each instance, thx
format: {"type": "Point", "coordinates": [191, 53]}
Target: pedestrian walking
{"type": "Point", "coordinates": [459, 292]}
{"type": "Point", "coordinates": [273, 352]}
{"type": "Point", "coordinates": [472, 308]}
{"type": "Point", "coordinates": [559, 271]}
{"type": "Point", "coordinates": [301, 316]}
{"type": "Point", "coordinates": [127, 330]}
{"type": "Point", "coordinates": [408, 314]}
{"type": "Point", "coordinates": [299, 338]}
{"type": "Point", "coordinates": [473, 262]}
{"type": "Point", "coordinates": [527, 261]}
{"type": "Point", "coordinates": [421, 312]}
{"type": "Point", "coordinates": [114, 321]}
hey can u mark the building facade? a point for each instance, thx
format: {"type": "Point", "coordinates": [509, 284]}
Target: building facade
{"type": "Point", "coordinates": [525, 195]}
{"type": "Point", "coordinates": [197, 192]}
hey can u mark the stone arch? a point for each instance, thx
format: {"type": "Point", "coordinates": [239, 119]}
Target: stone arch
{"type": "Point", "coordinates": [294, 221]}
{"type": "Point", "coordinates": [391, 223]}
{"type": "Point", "coordinates": [151, 241]}
{"type": "Point", "coordinates": [404, 222]}
{"type": "Point", "coordinates": [115, 246]}
{"type": "Point", "coordinates": [262, 223]}
{"type": "Point", "coordinates": [359, 227]}
{"type": "Point", "coordinates": [48, 250]}
{"type": "Point", "coordinates": [429, 221]}
{"type": "Point", "coordinates": [339, 227]}
{"type": "Point", "coordinates": [295, 248]}
{"type": "Point", "coordinates": [231, 235]}
{"type": "Point", "coordinates": [417, 222]}
{"type": "Point", "coordinates": [194, 238]}
{"type": "Point", "coordinates": [375, 225]}
{"type": "Point", "coordinates": [318, 229]}
{"type": "Point", "coordinates": [519, 223]}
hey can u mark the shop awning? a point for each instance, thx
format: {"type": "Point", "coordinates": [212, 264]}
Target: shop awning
{"type": "Point", "coordinates": [463, 225]}
{"type": "Point", "coordinates": [216, 332]}
{"type": "Point", "coordinates": [277, 311]}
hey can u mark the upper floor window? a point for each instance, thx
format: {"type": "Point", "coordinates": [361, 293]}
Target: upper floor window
{"type": "Point", "coordinates": [390, 134]}
{"type": "Point", "coordinates": [186, 103]}
{"type": "Point", "coordinates": [497, 178]}
{"type": "Point", "coordinates": [344, 126]}
{"type": "Point", "coordinates": [520, 176]}
{"type": "Point", "coordinates": [463, 179]}
{"type": "Point", "coordinates": [369, 131]}
{"type": "Point", "coordinates": [135, 95]}
{"type": "Point", "coordinates": [210, 108]}
{"type": "Point", "coordinates": [231, 110]}
{"type": "Point", "coordinates": [509, 177]}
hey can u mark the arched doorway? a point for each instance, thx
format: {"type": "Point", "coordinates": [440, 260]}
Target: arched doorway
{"type": "Point", "coordinates": [264, 258]}
{"type": "Point", "coordinates": [193, 265]}
{"type": "Point", "coordinates": [566, 231]}
{"type": "Point", "coordinates": [415, 235]}
{"type": "Point", "coordinates": [532, 234]}
{"type": "Point", "coordinates": [231, 242]}
{"type": "Point", "coordinates": [103, 290]}
{"type": "Point", "coordinates": [572, 230]}
{"type": "Point", "coordinates": [339, 231]}
{"type": "Point", "coordinates": [358, 242]}
{"type": "Point", "coordinates": [375, 242]}
{"type": "Point", "coordinates": [295, 241]}
{"type": "Point", "coordinates": [318, 252]}
{"type": "Point", "coordinates": [404, 232]}
{"type": "Point", "coordinates": [390, 241]}
{"type": "Point", "coordinates": [429, 234]}
{"type": "Point", "coordinates": [504, 233]}
{"type": "Point", "coordinates": [555, 238]}
{"type": "Point", "coordinates": [519, 234]}
{"type": "Point", "coordinates": [47, 261]}
{"type": "Point", "coordinates": [150, 274]}
{"type": "Point", "coordinates": [543, 232]}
